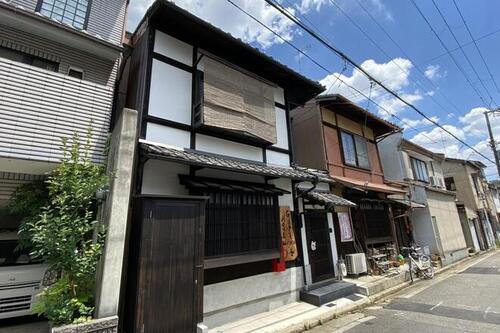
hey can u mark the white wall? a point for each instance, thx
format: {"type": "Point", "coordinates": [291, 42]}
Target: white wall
{"type": "Point", "coordinates": [281, 129]}
{"type": "Point", "coordinates": [215, 145]}
{"type": "Point", "coordinates": [170, 93]}
{"type": "Point", "coordinates": [173, 48]}
{"type": "Point", "coordinates": [284, 184]}
{"type": "Point", "coordinates": [168, 135]}
{"type": "Point", "coordinates": [277, 158]}
{"type": "Point", "coordinates": [390, 157]}
{"type": "Point", "coordinates": [161, 178]}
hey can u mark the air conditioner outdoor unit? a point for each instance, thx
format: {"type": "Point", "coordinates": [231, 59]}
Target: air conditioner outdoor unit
{"type": "Point", "coordinates": [355, 263]}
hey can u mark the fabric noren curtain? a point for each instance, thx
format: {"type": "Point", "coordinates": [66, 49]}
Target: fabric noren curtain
{"type": "Point", "coordinates": [238, 102]}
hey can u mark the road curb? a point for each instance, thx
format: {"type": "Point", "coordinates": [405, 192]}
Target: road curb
{"type": "Point", "coordinates": [304, 324]}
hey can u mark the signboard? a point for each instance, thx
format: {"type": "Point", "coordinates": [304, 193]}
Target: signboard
{"type": "Point", "coordinates": [345, 227]}
{"type": "Point", "coordinates": [287, 234]}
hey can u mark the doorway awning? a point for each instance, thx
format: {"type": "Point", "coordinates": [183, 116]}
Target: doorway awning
{"type": "Point", "coordinates": [367, 186]}
{"type": "Point", "coordinates": [328, 199]}
{"type": "Point", "coordinates": [214, 161]}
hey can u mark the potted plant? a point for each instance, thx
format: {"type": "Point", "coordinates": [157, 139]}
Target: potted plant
{"type": "Point", "coordinates": [64, 232]}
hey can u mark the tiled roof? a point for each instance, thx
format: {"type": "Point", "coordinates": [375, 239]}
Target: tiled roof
{"type": "Point", "coordinates": [193, 157]}
{"type": "Point", "coordinates": [328, 199]}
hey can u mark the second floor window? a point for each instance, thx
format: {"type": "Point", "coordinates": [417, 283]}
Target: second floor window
{"type": "Point", "coordinates": [419, 170]}
{"type": "Point", "coordinates": [355, 150]}
{"type": "Point", "coordinates": [28, 59]}
{"type": "Point", "coordinates": [72, 12]}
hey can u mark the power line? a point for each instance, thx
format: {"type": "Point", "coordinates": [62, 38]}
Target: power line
{"type": "Point", "coordinates": [388, 35]}
{"type": "Point", "coordinates": [463, 52]}
{"type": "Point", "coordinates": [317, 63]}
{"type": "Point", "coordinates": [353, 63]}
{"type": "Point", "coordinates": [449, 52]}
{"type": "Point", "coordinates": [405, 71]}
{"type": "Point", "coordinates": [477, 47]}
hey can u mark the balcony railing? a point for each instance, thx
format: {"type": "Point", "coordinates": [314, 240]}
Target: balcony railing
{"type": "Point", "coordinates": [38, 108]}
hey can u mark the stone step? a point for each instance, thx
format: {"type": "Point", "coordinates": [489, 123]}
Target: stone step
{"type": "Point", "coordinates": [327, 293]}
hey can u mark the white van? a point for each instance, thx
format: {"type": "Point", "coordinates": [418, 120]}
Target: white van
{"type": "Point", "coordinates": [20, 276]}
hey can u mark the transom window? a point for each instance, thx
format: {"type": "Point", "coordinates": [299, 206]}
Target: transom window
{"type": "Point", "coordinates": [72, 12]}
{"type": "Point", "coordinates": [419, 170]}
{"type": "Point", "coordinates": [355, 150]}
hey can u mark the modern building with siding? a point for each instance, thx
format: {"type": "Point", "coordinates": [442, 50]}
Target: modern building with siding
{"type": "Point", "coordinates": [432, 219]}
{"type": "Point", "coordinates": [58, 65]}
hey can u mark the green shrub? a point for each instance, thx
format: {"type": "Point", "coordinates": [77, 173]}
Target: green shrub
{"type": "Point", "coordinates": [63, 231]}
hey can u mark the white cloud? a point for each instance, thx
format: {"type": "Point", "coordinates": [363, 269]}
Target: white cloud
{"type": "Point", "coordinates": [433, 72]}
{"type": "Point", "coordinates": [475, 123]}
{"type": "Point", "coordinates": [228, 18]}
{"type": "Point", "coordinates": [413, 123]}
{"type": "Point", "coordinates": [394, 74]}
{"type": "Point", "coordinates": [305, 6]}
{"type": "Point", "coordinates": [439, 141]}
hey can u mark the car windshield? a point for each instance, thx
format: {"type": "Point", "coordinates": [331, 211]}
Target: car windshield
{"type": "Point", "coordinates": [10, 253]}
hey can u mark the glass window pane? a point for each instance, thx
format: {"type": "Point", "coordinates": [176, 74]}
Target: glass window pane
{"type": "Point", "coordinates": [349, 149]}
{"type": "Point", "coordinates": [362, 152]}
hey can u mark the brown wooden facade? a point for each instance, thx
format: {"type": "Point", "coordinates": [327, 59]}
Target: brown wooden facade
{"type": "Point", "coordinates": [332, 133]}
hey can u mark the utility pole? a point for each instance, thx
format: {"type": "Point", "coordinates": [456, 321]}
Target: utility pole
{"type": "Point", "coordinates": [492, 139]}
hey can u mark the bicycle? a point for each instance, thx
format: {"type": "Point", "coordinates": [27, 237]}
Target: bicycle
{"type": "Point", "coordinates": [419, 264]}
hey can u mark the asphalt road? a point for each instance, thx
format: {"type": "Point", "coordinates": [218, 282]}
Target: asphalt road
{"type": "Point", "coordinates": [466, 299]}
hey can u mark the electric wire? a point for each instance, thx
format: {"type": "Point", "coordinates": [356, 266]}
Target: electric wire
{"type": "Point", "coordinates": [449, 52]}
{"type": "Point", "coordinates": [358, 67]}
{"type": "Point", "coordinates": [463, 52]}
{"type": "Point", "coordinates": [476, 46]}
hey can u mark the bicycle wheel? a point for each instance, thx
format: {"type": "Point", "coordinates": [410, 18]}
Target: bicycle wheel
{"type": "Point", "coordinates": [428, 272]}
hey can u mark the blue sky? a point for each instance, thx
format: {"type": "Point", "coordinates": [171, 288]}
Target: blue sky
{"type": "Point", "coordinates": [418, 68]}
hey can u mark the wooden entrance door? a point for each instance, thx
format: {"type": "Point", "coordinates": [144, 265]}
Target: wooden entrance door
{"type": "Point", "coordinates": [170, 277]}
{"type": "Point", "coordinates": [318, 246]}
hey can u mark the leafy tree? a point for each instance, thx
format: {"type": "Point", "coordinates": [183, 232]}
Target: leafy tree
{"type": "Point", "coordinates": [63, 231]}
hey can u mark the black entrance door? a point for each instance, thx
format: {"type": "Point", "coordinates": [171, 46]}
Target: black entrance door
{"type": "Point", "coordinates": [170, 265]}
{"type": "Point", "coordinates": [318, 246]}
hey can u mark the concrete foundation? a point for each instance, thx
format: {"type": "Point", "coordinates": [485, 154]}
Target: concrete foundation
{"type": "Point", "coordinates": [232, 300]}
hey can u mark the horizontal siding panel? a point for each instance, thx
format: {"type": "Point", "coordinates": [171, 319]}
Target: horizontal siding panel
{"type": "Point", "coordinates": [38, 108]}
{"type": "Point", "coordinates": [96, 70]}
{"type": "Point", "coordinates": [107, 19]}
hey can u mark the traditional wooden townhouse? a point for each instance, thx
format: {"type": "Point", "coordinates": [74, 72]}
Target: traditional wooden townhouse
{"type": "Point", "coordinates": [331, 133]}
{"type": "Point", "coordinates": [58, 64]}
{"type": "Point", "coordinates": [466, 178]}
{"type": "Point", "coordinates": [432, 218]}
{"type": "Point", "coordinates": [213, 206]}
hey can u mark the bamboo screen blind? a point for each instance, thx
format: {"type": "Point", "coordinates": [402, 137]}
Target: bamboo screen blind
{"type": "Point", "coordinates": [238, 102]}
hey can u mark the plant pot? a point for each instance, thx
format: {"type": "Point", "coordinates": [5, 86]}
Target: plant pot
{"type": "Point", "coordinates": [101, 325]}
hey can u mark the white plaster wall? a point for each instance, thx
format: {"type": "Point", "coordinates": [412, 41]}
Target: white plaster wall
{"type": "Point", "coordinates": [170, 93]}
{"type": "Point", "coordinates": [215, 145]}
{"type": "Point", "coordinates": [390, 157]}
{"type": "Point", "coordinates": [232, 300]}
{"type": "Point", "coordinates": [173, 48]}
{"type": "Point", "coordinates": [443, 207]}
{"type": "Point", "coordinates": [284, 184]}
{"type": "Point", "coordinates": [277, 158]}
{"type": "Point", "coordinates": [161, 177]}
{"type": "Point", "coordinates": [423, 232]}
{"type": "Point", "coordinates": [281, 129]}
{"type": "Point", "coordinates": [168, 135]}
